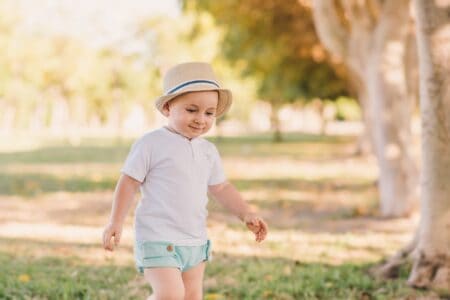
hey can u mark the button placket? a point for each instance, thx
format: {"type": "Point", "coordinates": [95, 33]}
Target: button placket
{"type": "Point", "coordinates": [191, 146]}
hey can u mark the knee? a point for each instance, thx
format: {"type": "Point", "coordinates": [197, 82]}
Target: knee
{"type": "Point", "coordinates": [169, 294]}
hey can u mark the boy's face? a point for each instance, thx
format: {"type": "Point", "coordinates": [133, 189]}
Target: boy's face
{"type": "Point", "coordinates": [192, 114]}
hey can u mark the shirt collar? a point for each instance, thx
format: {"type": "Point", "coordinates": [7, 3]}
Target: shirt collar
{"type": "Point", "coordinates": [172, 132]}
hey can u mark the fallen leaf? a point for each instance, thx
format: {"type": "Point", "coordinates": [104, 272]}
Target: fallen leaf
{"type": "Point", "coordinates": [24, 278]}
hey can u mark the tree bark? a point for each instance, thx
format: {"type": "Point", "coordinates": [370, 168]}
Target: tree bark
{"type": "Point", "coordinates": [391, 267]}
{"type": "Point", "coordinates": [370, 36]}
{"type": "Point", "coordinates": [432, 257]}
{"type": "Point", "coordinates": [392, 107]}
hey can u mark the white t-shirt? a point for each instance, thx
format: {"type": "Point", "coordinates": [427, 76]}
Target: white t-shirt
{"type": "Point", "coordinates": [174, 173]}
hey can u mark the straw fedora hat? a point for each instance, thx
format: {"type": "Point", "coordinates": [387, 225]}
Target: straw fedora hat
{"type": "Point", "coordinates": [193, 77]}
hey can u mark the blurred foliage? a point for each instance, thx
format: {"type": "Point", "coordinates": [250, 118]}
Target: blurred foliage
{"type": "Point", "coordinates": [54, 80]}
{"type": "Point", "coordinates": [347, 109]}
{"type": "Point", "coordinates": [275, 43]}
{"type": "Point", "coordinates": [60, 75]}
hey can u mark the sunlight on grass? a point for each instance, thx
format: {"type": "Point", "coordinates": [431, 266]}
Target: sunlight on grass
{"type": "Point", "coordinates": [361, 168]}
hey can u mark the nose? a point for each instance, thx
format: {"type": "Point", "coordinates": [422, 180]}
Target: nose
{"type": "Point", "coordinates": [200, 119]}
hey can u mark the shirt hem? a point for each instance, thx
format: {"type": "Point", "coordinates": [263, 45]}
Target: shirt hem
{"type": "Point", "coordinates": [193, 242]}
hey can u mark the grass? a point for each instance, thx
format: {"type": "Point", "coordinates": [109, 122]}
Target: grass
{"type": "Point", "coordinates": [276, 278]}
{"type": "Point", "coordinates": [64, 278]}
{"type": "Point", "coordinates": [30, 185]}
{"type": "Point", "coordinates": [320, 202]}
{"type": "Point", "coordinates": [226, 278]}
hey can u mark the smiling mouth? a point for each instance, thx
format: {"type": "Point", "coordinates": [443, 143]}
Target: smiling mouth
{"type": "Point", "coordinates": [196, 128]}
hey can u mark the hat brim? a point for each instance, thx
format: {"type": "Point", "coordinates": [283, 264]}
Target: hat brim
{"type": "Point", "coordinates": [223, 104]}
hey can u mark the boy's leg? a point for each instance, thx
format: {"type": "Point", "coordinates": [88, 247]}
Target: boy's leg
{"type": "Point", "coordinates": [193, 282]}
{"type": "Point", "coordinates": [166, 283]}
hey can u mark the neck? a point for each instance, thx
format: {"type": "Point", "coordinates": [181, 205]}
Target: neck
{"type": "Point", "coordinates": [176, 132]}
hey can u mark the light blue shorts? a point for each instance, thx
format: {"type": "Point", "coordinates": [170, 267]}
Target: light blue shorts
{"type": "Point", "coordinates": [165, 254]}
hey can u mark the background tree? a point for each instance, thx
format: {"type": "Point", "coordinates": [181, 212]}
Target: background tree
{"type": "Point", "coordinates": [370, 37]}
{"type": "Point", "coordinates": [432, 264]}
{"type": "Point", "coordinates": [431, 245]}
{"type": "Point", "coordinates": [60, 83]}
{"type": "Point", "coordinates": [274, 42]}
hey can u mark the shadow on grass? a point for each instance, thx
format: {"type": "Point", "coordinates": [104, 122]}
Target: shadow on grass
{"type": "Point", "coordinates": [67, 154]}
{"type": "Point", "coordinates": [29, 185]}
{"type": "Point", "coordinates": [294, 146]}
{"type": "Point", "coordinates": [326, 184]}
{"type": "Point", "coordinates": [227, 277]}
{"type": "Point", "coordinates": [292, 137]}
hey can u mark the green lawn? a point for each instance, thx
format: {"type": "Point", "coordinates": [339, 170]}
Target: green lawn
{"type": "Point", "coordinates": [227, 277]}
{"type": "Point", "coordinates": [319, 200]}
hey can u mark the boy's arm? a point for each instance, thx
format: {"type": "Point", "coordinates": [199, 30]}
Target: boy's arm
{"type": "Point", "coordinates": [228, 196]}
{"type": "Point", "coordinates": [123, 198]}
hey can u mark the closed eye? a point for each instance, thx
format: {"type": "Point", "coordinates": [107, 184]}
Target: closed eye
{"type": "Point", "coordinates": [191, 110]}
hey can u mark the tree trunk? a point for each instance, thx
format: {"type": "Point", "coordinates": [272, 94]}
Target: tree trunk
{"type": "Point", "coordinates": [391, 108]}
{"type": "Point", "coordinates": [411, 66]}
{"type": "Point", "coordinates": [275, 123]}
{"type": "Point", "coordinates": [369, 36]}
{"type": "Point", "coordinates": [432, 261]}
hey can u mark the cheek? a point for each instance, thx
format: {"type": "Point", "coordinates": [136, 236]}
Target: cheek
{"type": "Point", "coordinates": [184, 118]}
{"type": "Point", "coordinates": [176, 118]}
{"type": "Point", "coordinates": [179, 115]}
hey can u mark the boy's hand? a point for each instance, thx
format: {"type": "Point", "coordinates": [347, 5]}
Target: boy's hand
{"type": "Point", "coordinates": [111, 230]}
{"type": "Point", "coordinates": [257, 226]}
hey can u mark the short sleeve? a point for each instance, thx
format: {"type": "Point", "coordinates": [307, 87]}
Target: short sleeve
{"type": "Point", "coordinates": [217, 174]}
{"type": "Point", "coordinates": [138, 161]}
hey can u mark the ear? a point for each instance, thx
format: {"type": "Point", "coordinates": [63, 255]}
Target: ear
{"type": "Point", "coordinates": [166, 109]}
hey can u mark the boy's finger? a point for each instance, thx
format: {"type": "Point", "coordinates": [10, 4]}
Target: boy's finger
{"type": "Point", "coordinates": [260, 238]}
{"type": "Point", "coordinates": [106, 244]}
{"type": "Point", "coordinates": [105, 235]}
{"type": "Point", "coordinates": [262, 232]}
{"type": "Point", "coordinates": [107, 240]}
{"type": "Point", "coordinates": [264, 226]}
{"type": "Point", "coordinates": [263, 235]}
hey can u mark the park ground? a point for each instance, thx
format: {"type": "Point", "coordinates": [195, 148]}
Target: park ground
{"type": "Point", "coordinates": [319, 199]}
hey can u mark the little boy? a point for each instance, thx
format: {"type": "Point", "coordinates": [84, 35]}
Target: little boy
{"type": "Point", "coordinates": [175, 169]}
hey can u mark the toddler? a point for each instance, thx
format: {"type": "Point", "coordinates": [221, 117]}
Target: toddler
{"type": "Point", "coordinates": [175, 170]}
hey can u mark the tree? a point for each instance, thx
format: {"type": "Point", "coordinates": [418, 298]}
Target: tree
{"type": "Point", "coordinates": [432, 263]}
{"type": "Point", "coordinates": [431, 245]}
{"type": "Point", "coordinates": [275, 43]}
{"type": "Point", "coordinates": [370, 37]}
